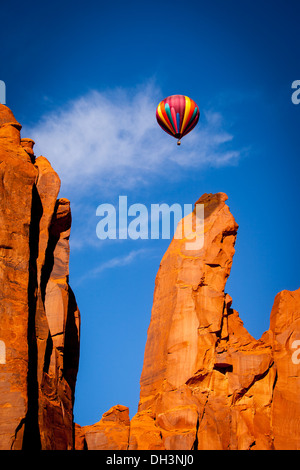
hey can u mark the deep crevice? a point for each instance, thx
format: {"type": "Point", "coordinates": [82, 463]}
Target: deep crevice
{"type": "Point", "coordinates": [31, 438]}
{"type": "Point", "coordinates": [195, 445]}
{"type": "Point", "coordinates": [71, 345]}
{"type": "Point", "coordinates": [223, 368]}
{"type": "Point", "coordinates": [49, 256]}
{"type": "Point", "coordinates": [48, 353]}
{"type": "Point", "coordinates": [18, 428]}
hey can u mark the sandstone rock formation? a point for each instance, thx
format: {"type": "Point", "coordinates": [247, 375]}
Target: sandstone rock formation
{"type": "Point", "coordinates": [111, 433]}
{"type": "Point", "coordinates": [284, 336]}
{"type": "Point", "coordinates": [39, 318]}
{"type": "Point", "coordinates": [206, 383]}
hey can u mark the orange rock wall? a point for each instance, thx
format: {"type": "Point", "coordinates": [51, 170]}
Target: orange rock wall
{"type": "Point", "coordinates": [39, 318]}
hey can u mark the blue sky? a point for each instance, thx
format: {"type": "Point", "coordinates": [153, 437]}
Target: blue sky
{"type": "Point", "coordinates": [84, 79]}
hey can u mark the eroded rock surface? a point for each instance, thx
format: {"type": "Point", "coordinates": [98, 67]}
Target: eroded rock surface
{"type": "Point", "coordinates": [110, 433]}
{"type": "Point", "coordinates": [206, 382]}
{"type": "Point", "coordinates": [39, 318]}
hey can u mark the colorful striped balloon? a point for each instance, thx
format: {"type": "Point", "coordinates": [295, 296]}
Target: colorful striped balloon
{"type": "Point", "coordinates": [177, 115]}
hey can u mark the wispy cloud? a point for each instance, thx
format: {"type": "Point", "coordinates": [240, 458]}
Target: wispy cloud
{"type": "Point", "coordinates": [111, 140]}
{"type": "Point", "coordinates": [107, 143]}
{"type": "Point", "coordinates": [118, 261]}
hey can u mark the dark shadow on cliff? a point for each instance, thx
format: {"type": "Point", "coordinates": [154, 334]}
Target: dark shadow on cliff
{"type": "Point", "coordinates": [31, 439]}
{"type": "Point", "coordinates": [49, 254]}
{"type": "Point", "coordinates": [58, 225]}
{"type": "Point", "coordinates": [71, 347]}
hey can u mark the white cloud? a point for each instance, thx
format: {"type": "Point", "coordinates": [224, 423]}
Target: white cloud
{"type": "Point", "coordinates": [104, 144]}
{"type": "Point", "coordinates": [111, 140]}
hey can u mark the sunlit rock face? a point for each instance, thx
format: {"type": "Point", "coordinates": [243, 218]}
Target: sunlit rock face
{"type": "Point", "coordinates": [39, 318]}
{"type": "Point", "coordinates": [206, 382]}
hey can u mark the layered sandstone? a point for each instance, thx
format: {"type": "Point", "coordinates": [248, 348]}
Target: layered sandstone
{"type": "Point", "coordinates": [39, 318]}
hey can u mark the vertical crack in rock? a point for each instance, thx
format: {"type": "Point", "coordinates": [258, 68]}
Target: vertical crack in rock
{"type": "Point", "coordinates": [17, 178]}
{"type": "Point", "coordinates": [31, 439]}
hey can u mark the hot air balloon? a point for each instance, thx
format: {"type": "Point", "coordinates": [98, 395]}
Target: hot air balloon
{"type": "Point", "coordinates": [177, 115]}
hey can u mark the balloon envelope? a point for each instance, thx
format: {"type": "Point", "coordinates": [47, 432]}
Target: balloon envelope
{"type": "Point", "coordinates": [177, 115]}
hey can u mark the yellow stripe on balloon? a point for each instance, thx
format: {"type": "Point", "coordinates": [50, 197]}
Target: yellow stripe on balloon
{"type": "Point", "coordinates": [186, 112]}
{"type": "Point", "coordinates": [163, 119]}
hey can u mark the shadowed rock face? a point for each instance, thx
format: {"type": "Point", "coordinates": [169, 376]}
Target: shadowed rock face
{"type": "Point", "coordinates": [39, 318]}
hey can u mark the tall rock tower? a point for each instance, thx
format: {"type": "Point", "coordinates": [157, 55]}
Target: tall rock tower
{"type": "Point", "coordinates": [206, 382]}
{"type": "Point", "coordinates": [39, 318]}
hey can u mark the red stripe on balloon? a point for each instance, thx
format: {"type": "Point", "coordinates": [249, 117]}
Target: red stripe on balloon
{"type": "Point", "coordinates": [178, 102]}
